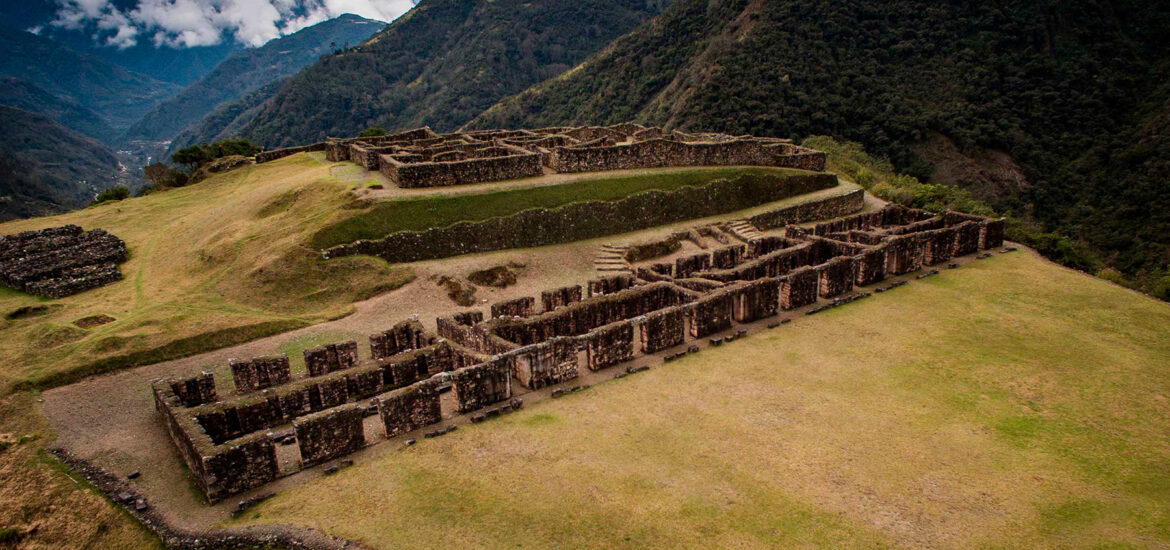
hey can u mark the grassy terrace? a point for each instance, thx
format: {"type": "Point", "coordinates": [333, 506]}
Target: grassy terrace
{"type": "Point", "coordinates": [1009, 403]}
{"type": "Point", "coordinates": [426, 212]}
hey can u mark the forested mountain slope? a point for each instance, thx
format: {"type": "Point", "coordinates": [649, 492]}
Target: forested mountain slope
{"type": "Point", "coordinates": [249, 70]}
{"type": "Point", "coordinates": [119, 95]}
{"type": "Point", "coordinates": [441, 64]}
{"type": "Point", "coordinates": [22, 94]}
{"type": "Point", "coordinates": [1071, 91]}
{"type": "Point", "coordinates": [45, 168]}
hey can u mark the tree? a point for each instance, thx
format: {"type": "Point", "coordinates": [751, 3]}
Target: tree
{"type": "Point", "coordinates": [160, 176]}
{"type": "Point", "coordinates": [372, 131]}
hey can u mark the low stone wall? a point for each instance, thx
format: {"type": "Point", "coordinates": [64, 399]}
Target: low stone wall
{"type": "Point", "coordinates": [60, 261]}
{"type": "Point", "coordinates": [609, 285]}
{"type": "Point", "coordinates": [689, 265]}
{"type": "Point", "coordinates": [524, 306]}
{"type": "Point", "coordinates": [330, 357]}
{"type": "Point", "coordinates": [710, 314]}
{"type": "Point", "coordinates": [658, 152]}
{"type": "Point", "coordinates": [404, 336]}
{"type": "Point", "coordinates": [938, 245]}
{"type": "Point", "coordinates": [481, 385]}
{"type": "Point", "coordinates": [609, 345]}
{"type": "Point", "coordinates": [547, 363]}
{"type": "Point", "coordinates": [267, 156]}
{"type": "Point", "coordinates": [756, 300]}
{"type": "Point", "coordinates": [799, 288]}
{"type": "Point", "coordinates": [259, 372]}
{"type": "Point", "coordinates": [638, 252]}
{"type": "Point", "coordinates": [461, 172]}
{"type": "Point", "coordinates": [330, 434]}
{"type": "Point", "coordinates": [193, 391]}
{"type": "Point", "coordinates": [410, 408]}
{"type": "Point", "coordinates": [728, 256]}
{"type": "Point", "coordinates": [557, 297]}
{"type": "Point", "coordinates": [662, 329]}
{"type": "Point", "coordinates": [583, 220]}
{"type": "Point", "coordinates": [808, 211]}
{"type": "Point", "coordinates": [869, 267]}
{"type": "Point", "coordinates": [835, 277]}
{"type": "Point", "coordinates": [582, 317]}
{"type": "Point", "coordinates": [903, 254]}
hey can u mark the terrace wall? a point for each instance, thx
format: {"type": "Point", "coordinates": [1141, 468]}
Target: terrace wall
{"type": "Point", "coordinates": [330, 434]}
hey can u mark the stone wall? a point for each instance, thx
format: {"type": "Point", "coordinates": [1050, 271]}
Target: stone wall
{"type": "Point", "coordinates": [259, 372]}
{"type": "Point", "coordinates": [267, 156]}
{"type": "Point", "coordinates": [966, 238]}
{"type": "Point", "coordinates": [524, 306]}
{"type": "Point", "coordinates": [609, 345]}
{"type": "Point", "coordinates": [756, 300]}
{"type": "Point", "coordinates": [557, 297]}
{"type": "Point", "coordinates": [728, 256]}
{"type": "Point", "coordinates": [583, 220]}
{"type": "Point", "coordinates": [461, 172]}
{"type": "Point", "coordinates": [547, 363]}
{"type": "Point", "coordinates": [193, 391]}
{"type": "Point", "coordinates": [60, 261]}
{"type": "Point", "coordinates": [689, 265]}
{"type": "Point", "coordinates": [410, 408]}
{"type": "Point", "coordinates": [609, 285]}
{"type": "Point", "coordinates": [662, 329]}
{"type": "Point", "coordinates": [330, 434]}
{"type": "Point", "coordinates": [937, 245]}
{"type": "Point", "coordinates": [330, 357]}
{"type": "Point", "coordinates": [869, 267]}
{"type": "Point", "coordinates": [799, 288]}
{"type": "Point", "coordinates": [835, 277]}
{"type": "Point", "coordinates": [481, 385]}
{"type": "Point", "coordinates": [656, 153]}
{"type": "Point", "coordinates": [404, 336]}
{"type": "Point", "coordinates": [903, 254]}
{"type": "Point", "coordinates": [710, 314]}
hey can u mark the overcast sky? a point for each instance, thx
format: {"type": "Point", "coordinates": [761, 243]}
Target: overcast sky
{"type": "Point", "coordinates": [186, 23]}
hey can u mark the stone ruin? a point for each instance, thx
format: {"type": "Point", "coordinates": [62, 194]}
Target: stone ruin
{"type": "Point", "coordinates": [423, 158]}
{"type": "Point", "coordinates": [242, 440]}
{"type": "Point", "coordinates": [60, 261]}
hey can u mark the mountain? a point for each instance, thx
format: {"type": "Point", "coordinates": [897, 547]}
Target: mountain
{"type": "Point", "coordinates": [249, 70]}
{"type": "Point", "coordinates": [45, 168]}
{"type": "Point", "coordinates": [228, 119]}
{"type": "Point", "coordinates": [1063, 101]}
{"type": "Point", "coordinates": [22, 94]}
{"type": "Point", "coordinates": [180, 66]}
{"type": "Point", "coordinates": [119, 95]}
{"type": "Point", "coordinates": [442, 63]}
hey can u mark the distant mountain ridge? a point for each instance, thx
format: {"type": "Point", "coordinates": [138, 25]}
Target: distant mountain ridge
{"type": "Point", "coordinates": [22, 94]}
{"type": "Point", "coordinates": [46, 169]}
{"type": "Point", "coordinates": [118, 95]}
{"type": "Point", "coordinates": [248, 70]}
{"type": "Point", "coordinates": [441, 64]}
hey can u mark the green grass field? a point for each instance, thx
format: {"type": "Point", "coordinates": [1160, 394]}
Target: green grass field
{"type": "Point", "coordinates": [417, 214]}
{"type": "Point", "coordinates": [1009, 403]}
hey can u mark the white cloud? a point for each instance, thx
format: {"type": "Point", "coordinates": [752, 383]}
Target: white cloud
{"type": "Point", "coordinates": [188, 23]}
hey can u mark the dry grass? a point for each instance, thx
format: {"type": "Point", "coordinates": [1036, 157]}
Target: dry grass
{"type": "Point", "coordinates": [212, 264]}
{"type": "Point", "coordinates": [1009, 403]}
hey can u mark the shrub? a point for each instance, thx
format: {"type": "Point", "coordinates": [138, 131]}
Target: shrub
{"type": "Point", "coordinates": [116, 193]}
{"type": "Point", "coordinates": [372, 131]}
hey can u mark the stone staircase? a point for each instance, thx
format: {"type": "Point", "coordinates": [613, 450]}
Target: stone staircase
{"type": "Point", "coordinates": [612, 258]}
{"type": "Point", "coordinates": [743, 230]}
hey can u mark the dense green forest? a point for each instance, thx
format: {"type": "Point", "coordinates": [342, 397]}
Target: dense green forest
{"type": "Point", "coordinates": [1073, 91]}
{"type": "Point", "coordinates": [22, 94]}
{"type": "Point", "coordinates": [441, 64]}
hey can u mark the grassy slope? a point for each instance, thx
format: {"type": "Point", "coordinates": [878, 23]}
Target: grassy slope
{"type": "Point", "coordinates": [211, 264]}
{"type": "Point", "coordinates": [1008, 403]}
{"type": "Point", "coordinates": [426, 212]}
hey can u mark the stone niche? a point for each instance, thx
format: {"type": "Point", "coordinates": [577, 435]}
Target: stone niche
{"type": "Point", "coordinates": [799, 288]}
{"type": "Point", "coordinates": [835, 277]}
{"type": "Point", "coordinates": [481, 385]}
{"type": "Point", "coordinates": [662, 329]}
{"type": "Point", "coordinates": [410, 408]}
{"type": "Point", "coordinates": [711, 314]}
{"type": "Point", "coordinates": [609, 345]}
{"type": "Point", "coordinates": [330, 357]}
{"type": "Point", "coordinates": [330, 434]}
{"type": "Point", "coordinates": [259, 372]}
{"type": "Point", "coordinates": [756, 300]}
{"type": "Point", "coordinates": [547, 363]}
